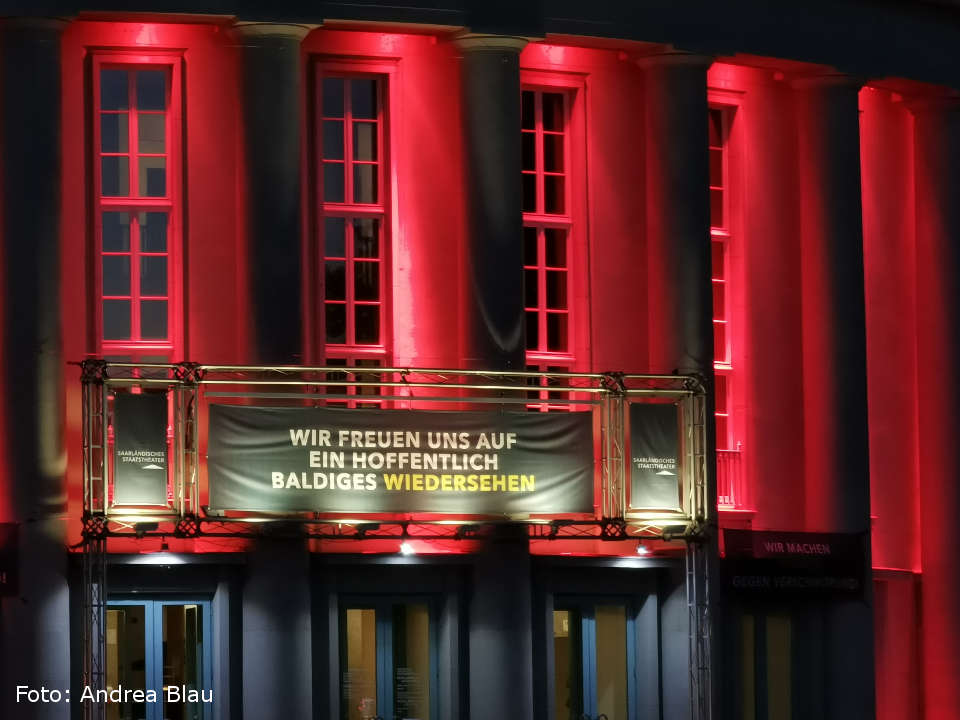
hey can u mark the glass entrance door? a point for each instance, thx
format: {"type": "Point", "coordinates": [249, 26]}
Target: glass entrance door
{"type": "Point", "coordinates": [163, 646]}
{"type": "Point", "coordinates": [388, 661]}
{"type": "Point", "coordinates": [594, 651]}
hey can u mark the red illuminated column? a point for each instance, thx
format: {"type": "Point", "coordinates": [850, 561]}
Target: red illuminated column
{"type": "Point", "coordinates": [937, 168]}
{"type": "Point", "coordinates": [834, 337]}
{"type": "Point", "coordinates": [272, 92]}
{"type": "Point", "coordinates": [494, 318]}
{"type": "Point", "coordinates": [834, 368]}
{"type": "Point", "coordinates": [34, 625]}
{"type": "Point", "coordinates": [678, 213]}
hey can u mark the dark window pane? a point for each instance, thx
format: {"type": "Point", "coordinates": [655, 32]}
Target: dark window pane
{"type": "Point", "coordinates": [533, 331]}
{"type": "Point", "coordinates": [333, 182]}
{"type": "Point", "coordinates": [715, 122]}
{"type": "Point", "coordinates": [153, 231]}
{"type": "Point", "coordinates": [116, 274]}
{"type": "Point", "coordinates": [555, 241]}
{"type": "Point", "coordinates": [529, 143]}
{"type": "Point", "coordinates": [152, 132]}
{"type": "Point", "coordinates": [153, 319]}
{"type": "Point", "coordinates": [529, 246]}
{"type": "Point", "coordinates": [364, 141]}
{"type": "Point", "coordinates": [716, 208]}
{"type": "Point", "coordinates": [153, 275]}
{"type": "Point", "coordinates": [333, 139]}
{"type": "Point", "coordinates": [335, 280]}
{"type": "Point", "coordinates": [115, 180]}
{"type": "Point", "coordinates": [151, 90]}
{"type": "Point", "coordinates": [114, 136]}
{"type": "Point", "coordinates": [556, 332]}
{"type": "Point", "coordinates": [116, 232]}
{"type": "Point", "coordinates": [716, 250]}
{"type": "Point", "coordinates": [720, 383]}
{"type": "Point", "coordinates": [366, 280]}
{"type": "Point", "coordinates": [553, 195]}
{"type": "Point", "coordinates": [113, 90]}
{"type": "Point", "coordinates": [552, 111]}
{"type": "Point", "coordinates": [557, 289]}
{"type": "Point", "coordinates": [719, 300]}
{"type": "Point", "coordinates": [532, 382]}
{"type": "Point", "coordinates": [116, 319]}
{"type": "Point", "coordinates": [336, 322]}
{"type": "Point", "coordinates": [334, 242]}
{"type": "Point", "coordinates": [365, 183]}
{"type": "Point", "coordinates": [553, 153]}
{"type": "Point", "coordinates": [367, 328]}
{"type": "Point", "coordinates": [153, 176]}
{"type": "Point", "coordinates": [332, 102]}
{"type": "Point", "coordinates": [527, 110]}
{"type": "Point", "coordinates": [366, 235]}
{"type": "Point", "coordinates": [720, 342]}
{"type": "Point", "coordinates": [529, 192]}
{"type": "Point", "coordinates": [723, 432]}
{"type": "Point", "coordinates": [531, 290]}
{"type": "Point", "coordinates": [716, 168]}
{"type": "Point", "coordinates": [367, 377]}
{"type": "Point", "coordinates": [336, 376]}
{"type": "Point", "coordinates": [363, 98]}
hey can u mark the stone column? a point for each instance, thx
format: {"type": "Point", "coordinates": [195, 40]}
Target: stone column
{"type": "Point", "coordinates": [494, 333]}
{"type": "Point", "coordinates": [501, 622]}
{"type": "Point", "coordinates": [277, 672]}
{"type": "Point", "coordinates": [272, 95]}
{"type": "Point", "coordinates": [34, 627]}
{"type": "Point", "coordinates": [501, 643]}
{"type": "Point", "coordinates": [837, 473]}
{"type": "Point", "coordinates": [937, 171]}
{"type": "Point", "coordinates": [678, 213]}
{"type": "Point", "coordinates": [680, 296]}
{"type": "Point", "coordinates": [276, 616]}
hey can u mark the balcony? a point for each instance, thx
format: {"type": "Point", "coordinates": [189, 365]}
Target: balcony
{"type": "Point", "coordinates": [731, 489]}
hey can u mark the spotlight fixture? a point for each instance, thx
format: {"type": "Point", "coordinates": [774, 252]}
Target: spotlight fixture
{"type": "Point", "coordinates": [407, 549]}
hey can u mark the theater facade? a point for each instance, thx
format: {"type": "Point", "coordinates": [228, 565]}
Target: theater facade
{"type": "Point", "coordinates": [460, 360]}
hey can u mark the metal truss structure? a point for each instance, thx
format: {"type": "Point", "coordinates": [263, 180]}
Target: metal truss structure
{"type": "Point", "coordinates": [190, 388]}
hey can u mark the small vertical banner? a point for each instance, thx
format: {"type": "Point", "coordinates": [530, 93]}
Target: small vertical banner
{"type": "Point", "coordinates": [140, 449]}
{"type": "Point", "coordinates": [9, 560]}
{"type": "Point", "coordinates": [654, 457]}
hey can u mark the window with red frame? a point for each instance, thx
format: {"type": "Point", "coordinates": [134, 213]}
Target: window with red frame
{"type": "Point", "coordinates": [718, 119]}
{"type": "Point", "coordinates": [547, 225]}
{"type": "Point", "coordinates": [136, 191]}
{"type": "Point", "coordinates": [352, 201]}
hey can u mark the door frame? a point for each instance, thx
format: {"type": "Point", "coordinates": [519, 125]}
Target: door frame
{"type": "Point", "coordinates": [585, 607]}
{"type": "Point", "coordinates": [647, 584]}
{"type": "Point", "coordinates": [383, 605]}
{"type": "Point", "coordinates": [153, 645]}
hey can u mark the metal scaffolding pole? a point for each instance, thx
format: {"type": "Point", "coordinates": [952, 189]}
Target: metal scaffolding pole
{"type": "Point", "coordinates": [94, 615]}
{"type": "Point", "coordinates": [698, 605]}
{"type": "Point", "coordinates": [94, 557]}
{"type": "Point", "coordinates": [699, 563]}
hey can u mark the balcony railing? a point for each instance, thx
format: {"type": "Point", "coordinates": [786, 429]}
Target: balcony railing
{"type": "Point", "coordinates": [188, 391]}
{"type": "Point", "coordinates": [731, 491]}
